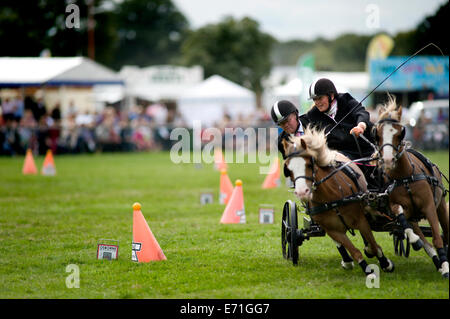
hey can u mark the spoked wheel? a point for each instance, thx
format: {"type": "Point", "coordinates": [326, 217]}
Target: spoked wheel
{"type": "Point", "coordinates": [401, 244]}
{"type": "Point", "coordinates": [289, 225]}
{"type": "Point", "coordinates": [285, 228]}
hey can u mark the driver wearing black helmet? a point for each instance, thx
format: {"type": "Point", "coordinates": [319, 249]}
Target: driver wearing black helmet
{"type": "Point", "coordinates": [331, 108]}
{"type": "Point", "coordinates": [286, 116]}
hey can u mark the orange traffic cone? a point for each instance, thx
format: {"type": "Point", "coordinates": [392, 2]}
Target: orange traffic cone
{"type": "Point", "coordinates": [29, 167]}
{"type": "Point", "coordinates": [48, 168]}
{"type": "Point", "coordinates": [234, 212]}
{"type": "Point", "coordinates": [273, 178]}
{"type": "Point", "coordinates": [226, 187]}
{"type": "Point", "coordinates": [219, 159]}
{"type": "Point", "coordinates": [144, 248]}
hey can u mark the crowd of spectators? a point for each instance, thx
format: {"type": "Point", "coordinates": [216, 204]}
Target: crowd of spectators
{"type": "Point", "coordinates": [431, 130]}
{"type": "Point", "coordinates": [29, 124]}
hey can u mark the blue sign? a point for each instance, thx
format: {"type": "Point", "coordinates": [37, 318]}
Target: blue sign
{"type": "Point", "coordinates": [420, 73]}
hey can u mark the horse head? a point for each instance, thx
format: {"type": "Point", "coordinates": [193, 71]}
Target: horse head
{"type": "Point", "coordinates": [304, 155]}
{"type": "Point", "coordinates": [389, 133]}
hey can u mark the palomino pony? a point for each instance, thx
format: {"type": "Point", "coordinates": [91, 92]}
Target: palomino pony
{"type": "Point", "coordinates": [333, 196]}
{"type": "Point", "coordinates": [416, 189]}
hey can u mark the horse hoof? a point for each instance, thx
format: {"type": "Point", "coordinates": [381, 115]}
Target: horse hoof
{"type": "Point", "coordinates": [389, 268]}
{"type": "Point", "coordinates": [347, 265]}
{"type": "Point", "coordinates": [444, 269]}
{"type": "Point", "coordinates": [417, 245]}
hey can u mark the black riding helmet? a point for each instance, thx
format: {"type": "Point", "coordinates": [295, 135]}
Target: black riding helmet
{"type": "Point", "coordinates": [281, 110]}
{"type": "Point", "coordinates": [322, 87]}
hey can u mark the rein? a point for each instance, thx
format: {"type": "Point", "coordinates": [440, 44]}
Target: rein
{"type": "Point", "coordinates": [336, 169]}
{"type": "Point", "coordinates": [343, 166]}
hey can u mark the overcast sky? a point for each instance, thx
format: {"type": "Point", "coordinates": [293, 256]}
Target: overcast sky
{"type": "Point", "coordinates": [309, 19]}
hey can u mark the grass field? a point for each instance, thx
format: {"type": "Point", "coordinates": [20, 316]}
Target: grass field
{"type": "Point", "coordinates": [48, 223]}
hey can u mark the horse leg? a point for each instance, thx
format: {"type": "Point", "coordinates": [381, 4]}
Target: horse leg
{"type": "Point", "coordinates": [427, 246]}
{"type": "Point", "coordinates": [347, 261]}
{"type": "Point", "coordinates": [430, 213]}
{"type": "Point", "coordinates": [342, 238]}
{"type": "Point", "coordinates": [368, 250]}
{"type": "Point", "coordinates": [442, 211]}
{"type": "Point", "coordinates": [415, 240]}
{"type": "Point", "coordinates": [364, 228]}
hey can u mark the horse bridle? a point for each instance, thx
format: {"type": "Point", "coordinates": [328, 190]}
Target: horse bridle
{"type": "Point", "coordinates": [310, 178]}
{"type": "Point", "coordinates": [398, 152]}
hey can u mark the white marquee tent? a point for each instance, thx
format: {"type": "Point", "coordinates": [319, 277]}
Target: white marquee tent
{"type": "Point", "coordinates": [36, 71]}
{"type": "Point", "coordinates": [211, 99]}
{"type": "Point", "coordinates": [58, 76]}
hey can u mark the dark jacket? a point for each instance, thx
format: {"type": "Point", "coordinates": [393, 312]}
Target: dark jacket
{"type": "Point", "coordinates": [340, 138]}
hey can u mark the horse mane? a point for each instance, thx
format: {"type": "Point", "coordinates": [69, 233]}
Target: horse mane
{"type": "Point", "coordinates": [389, 109]}
{"type": "Point", "coordinates": [316, 146]}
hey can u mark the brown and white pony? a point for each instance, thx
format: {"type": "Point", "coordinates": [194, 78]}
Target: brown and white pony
{"type": "Point", "coordinates": [310, 160]}
{"type": "Point", "coordinates": [417, 192]}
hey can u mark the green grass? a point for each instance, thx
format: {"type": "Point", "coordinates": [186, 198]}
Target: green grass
{"type": "Point", "coordinates": [48, 223]}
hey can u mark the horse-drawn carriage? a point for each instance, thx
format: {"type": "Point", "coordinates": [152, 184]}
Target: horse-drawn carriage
{"type": "Point", "coordinates": [292, 236]}
{"type": "Point", "coordinates": [335, 196]}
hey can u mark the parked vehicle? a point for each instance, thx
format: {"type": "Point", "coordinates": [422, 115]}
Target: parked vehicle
{"type": "Point", "coordinates": [427, 124]}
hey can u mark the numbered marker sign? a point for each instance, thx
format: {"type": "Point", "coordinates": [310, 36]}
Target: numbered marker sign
{"type": "Point", "coordinates": [241, 214]}
{"type": "Point", "coordinates": [108, 251]}
{"type": "Point", "coordinates": [206, 198]}
{"type": "Point", "coordinates": [266, 215]}
{"type": "Point", "coordinates": [135, 247]}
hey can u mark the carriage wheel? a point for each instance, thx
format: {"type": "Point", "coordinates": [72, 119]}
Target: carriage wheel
{"type": "Point", "coordinates": [285, 228]}
{"type": "Point", "coordinates": [294, 237]}
{"type": "Point", "coordinates": [289, 241]}
{"type": "Point", "coordinates": [401, 245]}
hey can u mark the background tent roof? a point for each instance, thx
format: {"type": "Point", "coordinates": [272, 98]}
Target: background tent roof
{"type": "Point", "coordinates": [54, 71]}
{"type": "Point", "coordinates": [292, 88]}
{"type": "Point", "coordinates": [160, 82]}
{"type": "Point", "coordinates": [217, 87]}
{"type": "Point", "coordinates": [211, 99]}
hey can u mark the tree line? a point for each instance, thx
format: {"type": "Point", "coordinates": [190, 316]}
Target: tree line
{"type": "Point", "coordinates": [152, 32]}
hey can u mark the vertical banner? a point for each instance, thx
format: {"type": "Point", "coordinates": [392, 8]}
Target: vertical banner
{"type": "Point", "coordinates": [379, 48]}
{"type": "Point", "coordinates": [305, 69]}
